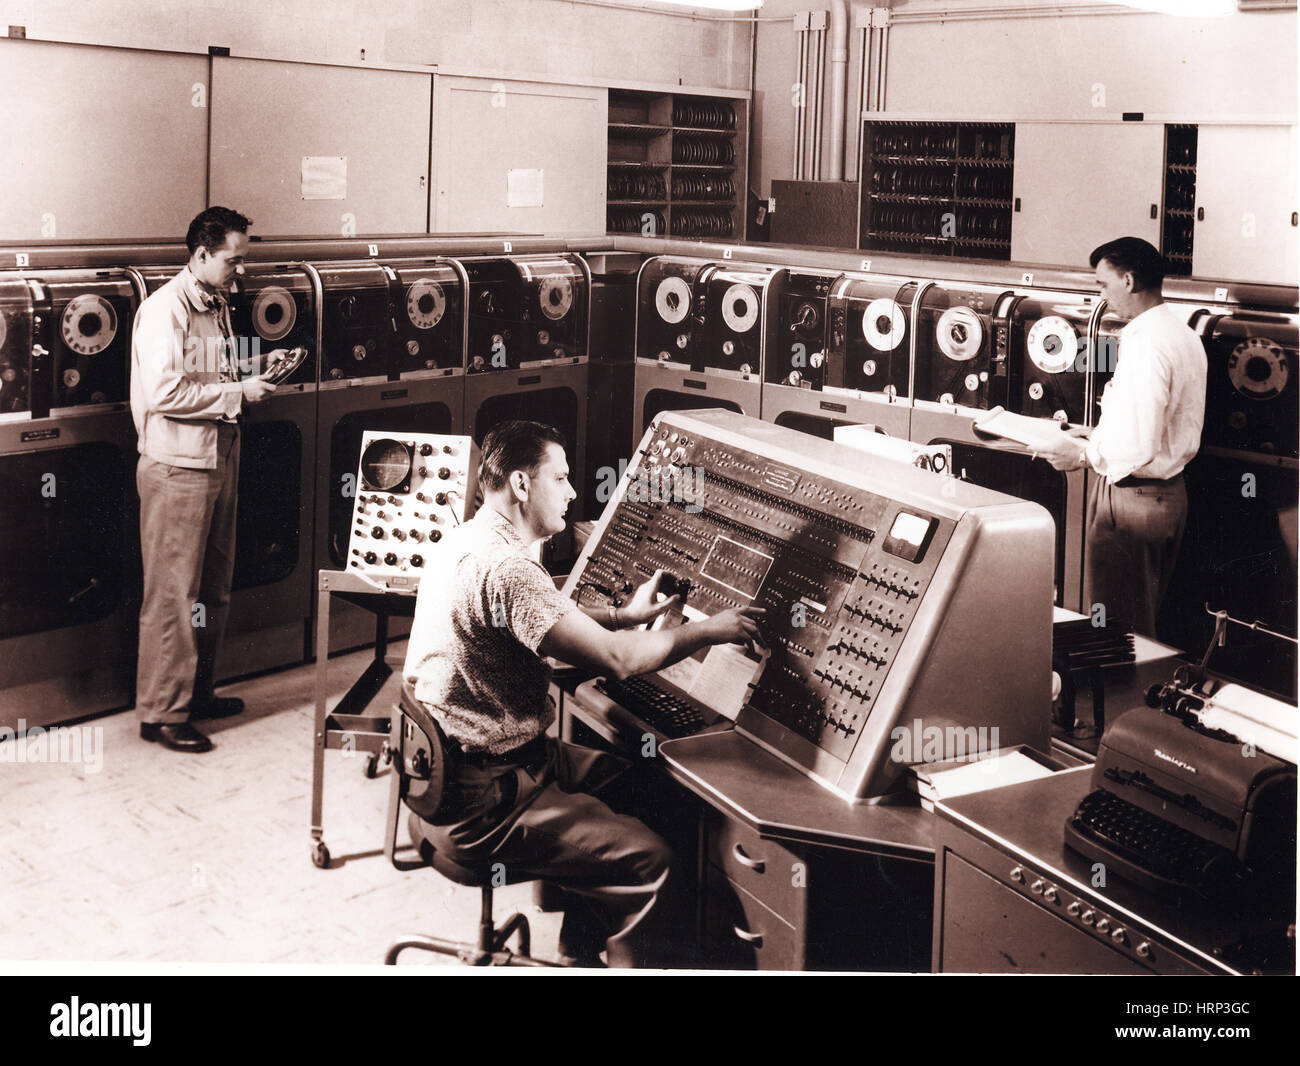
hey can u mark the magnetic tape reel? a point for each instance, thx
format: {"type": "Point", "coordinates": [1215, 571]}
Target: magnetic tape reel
{"type": "Point", "coordinates": [883, 324]}
{"type": "Point", "coordinates": [740, 308]}
{"type": "Point", "coordinates": [1052, 344]}
{"type": "Point", "coordinates": [1258, 369]}
{"type": "Point", "coordinates": [426, 302]}
{"type": "Point", "coordinates": [960, 334]}
{"type": "Point", "coordinates": [555, 294]}
{"type": "Point", "coordinates": [89, 324]}
{"type": "Point", "coordinates": [274, 313]}
{"type": "Point", "coordinates": [673, 300]}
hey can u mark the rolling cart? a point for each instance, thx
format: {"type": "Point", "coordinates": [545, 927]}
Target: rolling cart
{"type": "Point", "coordinates": [348, 726]}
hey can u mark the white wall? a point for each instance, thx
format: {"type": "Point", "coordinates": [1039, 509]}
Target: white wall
{"type": "Point", "coordinates": [1241, 65]}
{"type": "Point", "coordinates": [528, 38]}
{"type": "Point", "coordinates": [1237, 67]}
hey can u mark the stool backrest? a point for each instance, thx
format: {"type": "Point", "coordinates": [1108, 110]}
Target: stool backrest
{"type": "Point", "coordinates": [421, 757]}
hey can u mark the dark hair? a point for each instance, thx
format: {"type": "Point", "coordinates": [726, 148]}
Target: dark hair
{"type": "Point", "coordinates": [209, 228]}
{"type": "Point", "coordinates": [513, 446]}
{"type": "Point", "coordinates": [1132, 255]}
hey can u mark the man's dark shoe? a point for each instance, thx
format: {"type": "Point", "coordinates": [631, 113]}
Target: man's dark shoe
{"type": "Point", "coordinates": [216, 707]}
{"type": "Point", "coordinates": [179, 736]}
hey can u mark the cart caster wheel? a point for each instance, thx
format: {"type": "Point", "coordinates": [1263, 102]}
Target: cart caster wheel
{"type": "Point", "coordinates": [320, 854]}
{"type": "Point", "coordinates": [371, 767]}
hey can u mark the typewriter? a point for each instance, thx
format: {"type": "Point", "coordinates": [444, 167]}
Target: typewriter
{"type": "Point", "coordinates": [1194, 794]}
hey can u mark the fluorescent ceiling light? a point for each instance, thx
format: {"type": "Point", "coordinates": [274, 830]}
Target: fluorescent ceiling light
{"type": "Point", "coordinates": [1191, 8]}
{"type": "Point", "coordinates": [718, 5]}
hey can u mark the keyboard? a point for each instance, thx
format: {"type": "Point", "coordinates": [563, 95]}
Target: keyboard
{"type": "Point", "coordinates": [660, 709]}
{"type": "Point", "coordinates": [1163, 858]}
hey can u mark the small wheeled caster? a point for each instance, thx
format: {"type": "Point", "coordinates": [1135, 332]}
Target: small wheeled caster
{"type": "Point", "coordinates": [320, 854]}
{"type": "Point", "coordinates": [371, 767]}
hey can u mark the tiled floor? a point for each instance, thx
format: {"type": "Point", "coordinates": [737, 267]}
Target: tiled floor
{"type": "Point", "coordinates": [162, 857]}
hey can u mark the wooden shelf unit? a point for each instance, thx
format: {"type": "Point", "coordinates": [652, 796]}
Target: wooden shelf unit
{"type": "Point", "coordinates": [676, 164]}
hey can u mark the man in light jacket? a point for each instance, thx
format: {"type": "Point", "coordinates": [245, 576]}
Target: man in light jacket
{"type": "Point", "coordinates": [187, 392]}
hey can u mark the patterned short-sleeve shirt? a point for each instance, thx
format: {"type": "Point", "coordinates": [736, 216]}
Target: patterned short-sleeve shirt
{"type": "Point", "coordinates": [483, 608]}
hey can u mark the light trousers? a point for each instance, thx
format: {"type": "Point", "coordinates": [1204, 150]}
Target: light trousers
{"type": "Point", "coordinates": [1133, 536]}
{"type": "Point", "coordinates": [187, 546]}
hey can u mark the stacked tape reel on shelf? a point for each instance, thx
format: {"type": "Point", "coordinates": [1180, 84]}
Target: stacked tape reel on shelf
{"type": "Point", "coordinates": [704, 114]}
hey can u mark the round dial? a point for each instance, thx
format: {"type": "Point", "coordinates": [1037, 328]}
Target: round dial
{"type": "Point", "coordinates": [883, 325]}
{"type": "Point", "coordinates": [385, 464]}
{"type": "Point", "coordinates": [1258, 369]}
{"type": "Point", "coordinates": [425, 303]}
{"type": "Point", "coordinates": [89, 324]}
{"type": "Point", "coordinates": [274, 313]}
{"type": "Point", "coordinates": [673, 300]}
{"type": "Point", "coordinates": [1053, 344]}
{"type": "Point", "coordinates": [960, 333]}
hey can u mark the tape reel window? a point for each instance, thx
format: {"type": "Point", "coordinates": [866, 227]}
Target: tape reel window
{"type": "Point", "coordinates": [938, 188]}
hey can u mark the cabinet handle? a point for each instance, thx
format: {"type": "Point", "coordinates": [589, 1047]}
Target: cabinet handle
{"type": "Point", "coordinates": [1295, 218]}
{"type": "Point", "coordinates": [1200, 214]}
{"type": "Point", "coordinates": [1155, 211]}
{"type": "Point", "coordinates": [738, 853]}
{"type": "Point", "coordinates": [1017, 203]}
{"type": "Point", "coordinates": [749, 938]}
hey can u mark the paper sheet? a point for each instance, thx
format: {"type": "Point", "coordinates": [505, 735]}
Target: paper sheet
{"type": "Point", "coordinates": [1036, 434]}
{"type": "Point", "coordinates": [1269, 724]}
{"type": "Point", "coordinates": [524, 188]}
{"type": "Point", "coordinates": [324, 177]}
{"type": "Point", "coordinates": [984, 774]}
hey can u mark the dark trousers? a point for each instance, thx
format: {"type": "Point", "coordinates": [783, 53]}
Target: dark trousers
{"type": "Point", "coordinates": [187, 545]}
{"type": "Point", "coordinates": [539, 819]}
{"type": "Point", "coordinates": [1133, 536]}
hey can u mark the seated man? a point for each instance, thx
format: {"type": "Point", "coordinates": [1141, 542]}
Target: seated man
{"type": "Point", "coordinates": [485, 618]}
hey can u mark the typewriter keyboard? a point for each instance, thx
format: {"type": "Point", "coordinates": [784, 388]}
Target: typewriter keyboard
{"type": "Point", "coordinates": [1146, 849]}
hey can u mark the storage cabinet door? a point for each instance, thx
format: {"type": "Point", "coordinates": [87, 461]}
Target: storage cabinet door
{"type": "Point", "coordinates": [315, 149]}
{"type": "Point", "coordinates": [518, 157]}
{"type": "Point", "coordinates": [1081, 184]}
{"type": "Point", "coordinates": [1246, 187]}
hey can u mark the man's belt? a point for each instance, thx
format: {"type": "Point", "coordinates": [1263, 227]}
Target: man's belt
{"type": "Point", "coordinates": [1132, 482]}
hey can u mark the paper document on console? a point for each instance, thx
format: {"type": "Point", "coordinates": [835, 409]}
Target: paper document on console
{"type": "Point", "coordinates": [721, 677]}
{"type": "Point", "coordinates": [1036, 434]}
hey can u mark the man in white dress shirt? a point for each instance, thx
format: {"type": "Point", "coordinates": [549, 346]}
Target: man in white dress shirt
{"type": "Point", "coordinates": [1150, 426]}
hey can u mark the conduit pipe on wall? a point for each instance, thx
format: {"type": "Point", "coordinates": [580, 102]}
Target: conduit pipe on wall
{"type": "Point", "coordinates": [839, 89]}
